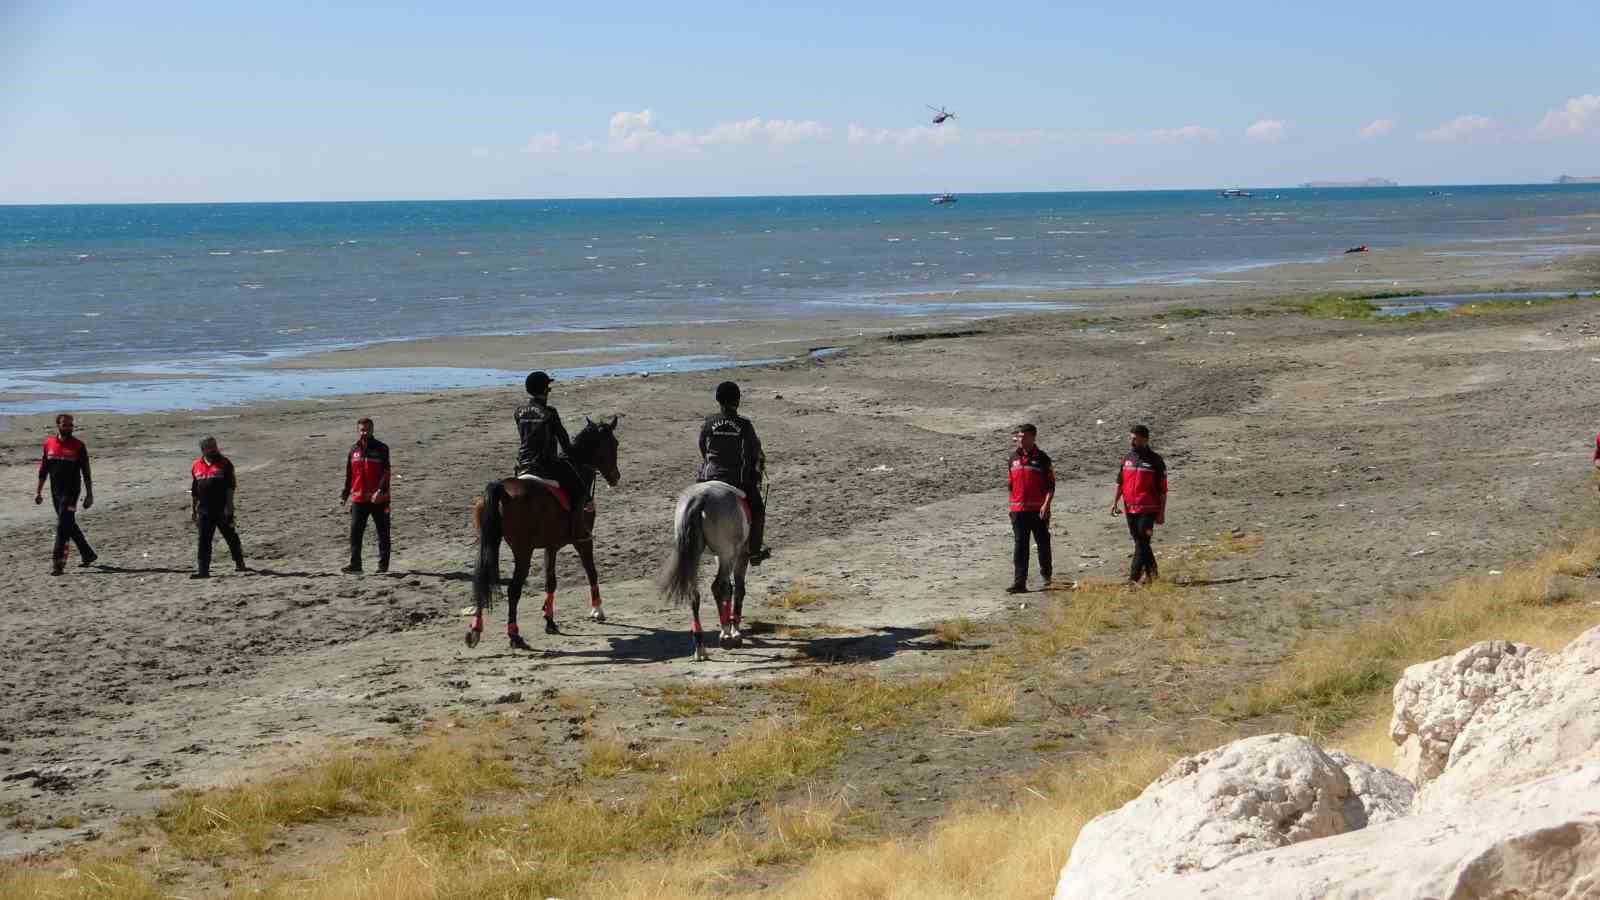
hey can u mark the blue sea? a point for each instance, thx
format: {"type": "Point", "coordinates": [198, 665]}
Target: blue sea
{"type": "Point", "coordinates": [210, 288]}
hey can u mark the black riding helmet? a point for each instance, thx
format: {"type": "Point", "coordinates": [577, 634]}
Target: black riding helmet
{"type": "Point", "coordinates": [728, 394]}
{"type": "Point", "coordinates": [538, 383]}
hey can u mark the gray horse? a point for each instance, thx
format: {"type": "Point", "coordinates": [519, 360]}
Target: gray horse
{"type": "Point", "coordinates": [711, 516]}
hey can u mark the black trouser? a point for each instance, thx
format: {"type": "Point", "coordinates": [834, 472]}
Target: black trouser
{"type": "Point", "coordinates": [210, 524]}
{"type": "Point", "coordinates": [758, 515]}
{"type": "Point", "coordinates": [1024, 525]}
{"type": "Point", "coordinates": [66, 506]}
{"type": "Point", "coordinates": [358, 527]}
{"type": "Point", "coordinates": [1142, 526]}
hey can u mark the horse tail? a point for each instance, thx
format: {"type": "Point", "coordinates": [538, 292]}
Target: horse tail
{"type": "Point", "coordinates": [486, 577]}
{"type": "Point", "coordinates": [682, 570]}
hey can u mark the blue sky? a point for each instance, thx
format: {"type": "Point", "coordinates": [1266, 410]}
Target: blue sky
{"type": "Point", "coordinates": [167, 101]}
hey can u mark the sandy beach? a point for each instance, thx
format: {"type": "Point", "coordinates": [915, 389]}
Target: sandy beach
{"type": "Point", "coordinates": [1370, 458]}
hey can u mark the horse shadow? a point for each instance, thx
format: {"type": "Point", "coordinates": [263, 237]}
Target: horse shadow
{"type": "Point", "coordinates": [765, 647]}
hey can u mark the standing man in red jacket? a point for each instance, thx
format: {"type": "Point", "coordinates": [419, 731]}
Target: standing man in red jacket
{"type": "Point", "coordinates": [1033, 486]}
{"type": "Point", "coordinates": [65, 464]}
{"type": "Point", "coordinates": [1142, 491]}
{"type": "Point", "coordinates": [211, 489]}
{"type": "Point", "coordinates": [366, 489]}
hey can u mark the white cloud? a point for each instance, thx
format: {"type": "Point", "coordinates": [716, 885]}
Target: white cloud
{"type": "Point", "coordinates": [626, 123]}
{"type": "Point", "coordinates": [1377, 128]}
{"type": "Point", "coordinates": [1458, 128]}
{"type": "Point", "coordinates": [921, 135]}
{"type": "Point", "coordinates": [1267, 130]}
{"type": "Point", "coordinates": [549, 142]}
{"type": "Point", "coordinates": [637, 130]}
{"type": "Point", "coordinates": [1577, 116]}
{"type": "Point", "coordinates": [1185, 133]}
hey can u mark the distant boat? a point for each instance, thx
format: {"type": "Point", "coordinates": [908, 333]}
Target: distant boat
{"type": "Point", "coordinates": [943, 198]}
{"type": "Point", "coordinates": [1234, 193]}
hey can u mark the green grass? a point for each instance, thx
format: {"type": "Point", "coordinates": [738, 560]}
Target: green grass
{"type": "Point", "coordinates": [1336, 307]}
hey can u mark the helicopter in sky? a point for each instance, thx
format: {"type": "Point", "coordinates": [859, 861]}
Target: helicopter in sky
{"type": "Point", "coordinates": [940, 114]}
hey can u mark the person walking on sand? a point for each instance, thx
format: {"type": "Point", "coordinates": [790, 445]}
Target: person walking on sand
{"type": "Point", "coordinates": [731, 453]}
{"type": "Point", "coordinates": [65, 464]}
{"type": "Point", "coordinates": [211, 492]}
{"type": "Point", "coordinates": [1142, 492]}
{"type": "Point", "coordinates": [1033, 486]}
{"type": "Point", "coordinates": [366, 491]}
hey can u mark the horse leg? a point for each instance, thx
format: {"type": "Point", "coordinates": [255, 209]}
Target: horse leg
{"type": "Point", "coordinates": [700, 654]}
{"type": "Point", "coordinates": [519, 577]}
{"type": "Point", "coordinates": [550, 591]}
{"type": "Point", "coordinates": [586, 555]}
{"type": "Point", "coordinates": [739, 569]}
{"type": "Point", "coordinates": [722, 592]}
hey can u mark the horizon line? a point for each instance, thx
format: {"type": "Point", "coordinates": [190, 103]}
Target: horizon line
{"type": "Point", "coordinates": [524, 199]}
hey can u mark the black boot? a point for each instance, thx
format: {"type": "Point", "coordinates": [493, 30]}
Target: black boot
{"type": "Point", "coordinates": [758, 531]}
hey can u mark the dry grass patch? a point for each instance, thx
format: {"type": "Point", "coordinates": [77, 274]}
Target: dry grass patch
{"type": "Point", "coordinates": [689, 698]}
{"type": "Point", "coordinates": [612, 756]}
{"type": "Point", "coordinates": [988, 702]}
{"type": "Point", "coordinates": [1329, 681]}
{"type": "Point", "coordinates": [952, 632]}
{"type": "Point", "coordinates": [1012, 851]}
{"type": "Point", "coordinates": [77, 880]}
{"type": "Point", "coordinates": [803, 594]}
{"type": "Point", "coordinates": [800, 828]}
{"type": "Point", "coordinates": [425, 784]}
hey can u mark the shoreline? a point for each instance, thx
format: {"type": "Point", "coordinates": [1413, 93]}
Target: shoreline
{"type": "Point", "coordinates": [1362, 462]}
{"type": "Point", "coordinates": [483, 361]}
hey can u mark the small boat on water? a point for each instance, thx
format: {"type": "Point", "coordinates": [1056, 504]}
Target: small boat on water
{"type": "Point", "coordinates": [943, 198]}
{"type": "Point", "coordinates": [1234, 194]}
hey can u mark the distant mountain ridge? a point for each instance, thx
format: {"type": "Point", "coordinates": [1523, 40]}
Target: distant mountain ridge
{"type": "Point", "coordinates": [1365, 182]}
{"type": "Point", "coordinates": [1578, 179]}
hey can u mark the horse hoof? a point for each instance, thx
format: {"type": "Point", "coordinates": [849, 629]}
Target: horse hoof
{"type": "Point", "coordinates": [596, 615]}
{"type": "Point", "coordinates": [725, 641]}
{"type": "Point", "coordinates": [517, 643]}
{"type": "Point", "coordinates": [736, 640]}
{"type": "Point", "coordinates": [550, 627]}
{"type": "Point", "coordinates": [473, 637]}
{"type": "Point", "coordinates": [700, 654]}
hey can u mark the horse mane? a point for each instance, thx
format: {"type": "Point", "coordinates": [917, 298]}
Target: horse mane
{"type": "Point", "coordinates": [583, 445]}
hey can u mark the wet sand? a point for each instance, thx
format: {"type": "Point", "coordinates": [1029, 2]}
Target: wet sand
{"type": "Point", "coordinates": [1372, 459]}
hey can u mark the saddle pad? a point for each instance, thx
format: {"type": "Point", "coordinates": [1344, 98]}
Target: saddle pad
{"type": "Point", "coordinates": [552, 486]}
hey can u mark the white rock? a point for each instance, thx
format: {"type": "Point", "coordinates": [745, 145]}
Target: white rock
{"type": "Point", "coordinates": [1384, 795]}
{"type": "Point", "coordinates": [1256, 794]}
{"type": "Point", "coordinates": [1549, 721]}
{"type": "Point", "coordinates": [1435, 701]}
{"type": "Point", "coordinates": [1539, 840]}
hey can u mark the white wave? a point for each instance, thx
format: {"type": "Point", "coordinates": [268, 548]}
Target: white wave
{"type": "Point", "coordinates": [91, 315]}
{"type": "Point", "coordinates": [1005, 237]}
{"type": "Point", "coordinates": [220, 252]}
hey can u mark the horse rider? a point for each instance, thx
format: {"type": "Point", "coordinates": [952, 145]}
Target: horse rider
{"type": "Point", "coordinates": [732, 454]}
{"type": "Point", "coordinates": [546, 449]}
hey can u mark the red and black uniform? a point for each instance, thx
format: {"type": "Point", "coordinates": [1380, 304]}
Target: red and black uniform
{"type": "Point", "coordinates": [366, 486]}
{"type": "Point", "coordinates": [731, 453]}
{"type": "Point", "coordinates": [212, 485]}
{"type": "Point", "coordinates": [66, 462]}
{"type": "Point", "coordinates": [1142, 487]}
{"type": "Point", "coordinates": [1033, 481]}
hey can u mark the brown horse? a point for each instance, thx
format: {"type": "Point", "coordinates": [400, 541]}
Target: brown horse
{"type": "Point", "coordinates": [526, 515]}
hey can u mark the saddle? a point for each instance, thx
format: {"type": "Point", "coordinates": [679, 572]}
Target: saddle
{"type": "Point", "coordinates": [551, 485]}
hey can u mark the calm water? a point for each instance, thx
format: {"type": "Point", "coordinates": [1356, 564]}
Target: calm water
{"type": "Point", "coordinates": [108, 287]}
